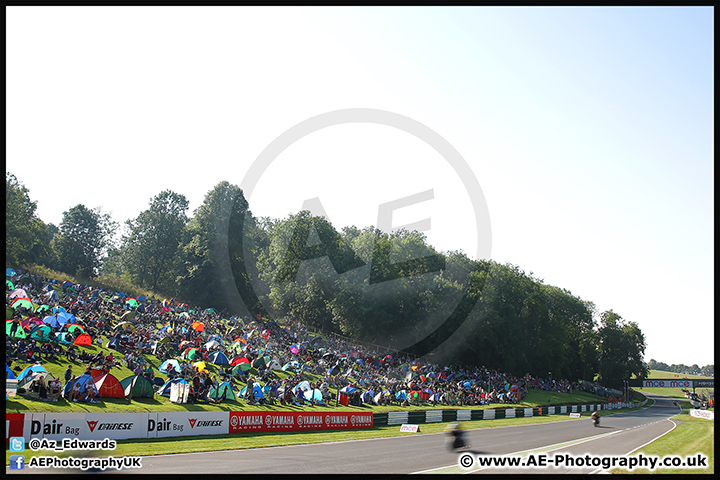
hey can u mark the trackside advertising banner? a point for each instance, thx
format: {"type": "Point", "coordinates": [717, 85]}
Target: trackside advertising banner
{"type": "Point", "coordinates": [176, 424]}
{"type": "Point", "coordinates": [13, 425]}
{"type": "Point", "coordinates": [85, 426]}
{"type": "Point", "coordinates": [668, 383]}
{"type": "Point", "coordinates": [118, 426]}
{"type": "Point", "coordinates": [297, 421]}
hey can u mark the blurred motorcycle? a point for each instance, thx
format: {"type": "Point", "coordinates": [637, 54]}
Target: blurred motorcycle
{"type": "Point", "coordinates": [457, 437]}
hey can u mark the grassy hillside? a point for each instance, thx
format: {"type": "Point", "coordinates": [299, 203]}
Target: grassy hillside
{"type": "Point", "coordinates": [20, 404]}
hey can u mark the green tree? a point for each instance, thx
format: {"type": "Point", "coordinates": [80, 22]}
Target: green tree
{"type": "Point", "coordinates": [150, 248]}
{"type": "Point", "coordinates": [84, 239]}
{"type": "Point", "coordinates": [621, 349]}
{"type": "Point", "coordinates": [300, 268]}
{"type": "Point", "coordinates": [26, 236]}
{"type": "Point", "coordinates": [212, 270]}
{"type": "Point", "coordinates": [572, 321]}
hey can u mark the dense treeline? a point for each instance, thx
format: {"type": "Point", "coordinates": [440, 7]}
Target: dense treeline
{"type": "Point", "coordinates": [706, 371]}
{"type": "Point", "coordinates": [388, 289]}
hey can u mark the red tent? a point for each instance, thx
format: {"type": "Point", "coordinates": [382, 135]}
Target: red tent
{"type": "Point", "coordinates": [238, 360]}
{"type": "Point", "coordinates": [83, 339]}
{"type": "Point", "coordinates": [108, 386]}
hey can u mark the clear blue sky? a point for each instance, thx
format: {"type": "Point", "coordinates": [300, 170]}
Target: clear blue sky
{"type": "Point", "coordinates": [589, 130]}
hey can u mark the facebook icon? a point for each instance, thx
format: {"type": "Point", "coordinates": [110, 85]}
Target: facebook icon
{"type": "Point", "coordinates": [17, 462]}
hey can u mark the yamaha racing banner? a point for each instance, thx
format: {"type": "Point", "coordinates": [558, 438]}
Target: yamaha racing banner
{"type": "Point", "coordinates": [297, 421]}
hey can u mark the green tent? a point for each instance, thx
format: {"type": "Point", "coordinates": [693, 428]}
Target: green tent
{"type": "Point", "coordinates": [19, 333]}
{"type": "Point", "coordinates": [9, 312]}
{"type": "Point", "coordinates": [142, 387]}
{"type": "Point", "coordinates": [10, 285]}
{"type": "Point", "coordinates": [217, 392]}
{"type": "Point", "coordinates": [192, 353]}
{"type": "Point", "coordinates": [41, 332]}
{"type": "Point", "coordinates": [24, 302]}
{"type": "Point", "coordinates": [73, 327]}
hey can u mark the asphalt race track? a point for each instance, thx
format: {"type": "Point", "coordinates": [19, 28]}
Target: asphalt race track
{"type": "Point", "coordinates": [617, 435]}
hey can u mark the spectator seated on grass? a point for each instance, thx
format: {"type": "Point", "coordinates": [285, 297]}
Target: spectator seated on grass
{"type": "Point", "coordinates": [38, 387]}
{"type": "Point", "coordinates": [71, 353]}
{"type": "Point", "coordinates": [91, 393]}
{"type": "Point", "coordinates": [219, 400]}
{"type": "Point", "coordinates": [77, 394]}
{"type": "Point", "coordinates": [84, 357]}
{"type": "Point", "coordinates": [201, 395]}
{"type": "Point", "coordinates": [49, 351]}
{"type": "Point", "coordinates": [55, 389]}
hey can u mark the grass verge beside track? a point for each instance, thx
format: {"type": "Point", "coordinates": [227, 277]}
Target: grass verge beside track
{"type": "Point", "coordinates": [692, 436]}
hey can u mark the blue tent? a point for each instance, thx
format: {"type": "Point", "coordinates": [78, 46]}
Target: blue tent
{"type": "Point", "coordinates": [257, 390]}
{"type": "Point", "coordinates": [165, 389]}
{"type": "Point", "coordinates": [82, 380]}
{"type": "Point", "coordinates": [368, 396]}
{"type": "Point", "coordinates": [52, 321]}
{"type": "Point", "coordinates": [219, 358]}
{"type": "Point", "coordinates": [29, 370]}
{"type": "Point", "coordinates": [9, 374]}
{"type": "Point", "coordinates": [65, 338]}
{"type": "Point", "coordinates": [64, 317]}
{"type": "Point", "coordinates": [300, 389]}
{"type": "Point", "coordinates": [9, 272]}
{"type": "Point", "coordinates": [175, 364]}
{"type": "Point", "coordinates": [349, 390]}
{"type": "Point", "coordinates": [52, 295]}
{"type": "Point", "coordinates": [293, 366]}
{"type": "Point", "coordinates": [268, 389]}
{"type": "Point", "coordinates": [315, 395]}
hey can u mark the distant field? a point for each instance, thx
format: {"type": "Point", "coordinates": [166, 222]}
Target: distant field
{"type": "Point", "coordinates": [676, 393]}
{"type": "Point", "coordinates": [663, 374]}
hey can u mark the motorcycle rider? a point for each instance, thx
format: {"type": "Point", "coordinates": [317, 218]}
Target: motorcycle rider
{"type": "Point", "coordinates": [595, 418]}
{"type": "Point", "coordinates": [456, 431]}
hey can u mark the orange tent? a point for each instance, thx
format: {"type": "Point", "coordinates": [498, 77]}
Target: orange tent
{"type": "Point", "coordinates": [108, 386]}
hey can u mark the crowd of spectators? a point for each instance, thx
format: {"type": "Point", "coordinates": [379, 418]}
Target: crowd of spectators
{"type": "Point", "coordinates": [167, 330]}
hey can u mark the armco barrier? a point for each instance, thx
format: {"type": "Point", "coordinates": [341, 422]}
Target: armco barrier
{"type": "Point", "coordinates": [429, 416]}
